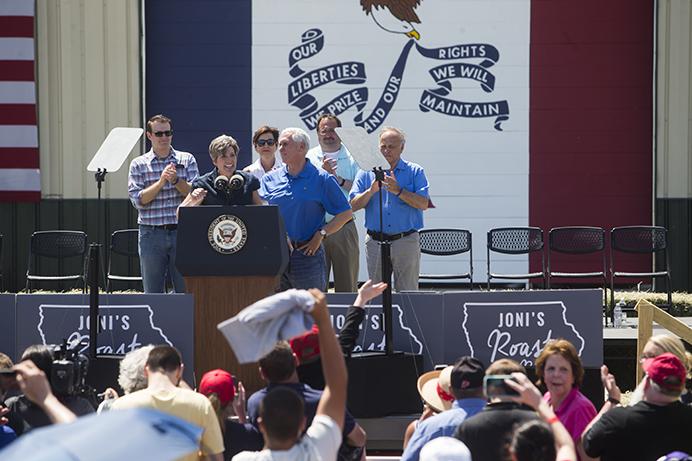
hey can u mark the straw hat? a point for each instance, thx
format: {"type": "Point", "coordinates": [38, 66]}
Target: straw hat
{"type": "Point", "coordinates": [434, 388]}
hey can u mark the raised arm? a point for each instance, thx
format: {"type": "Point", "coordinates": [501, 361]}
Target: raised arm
{"type": "Point", "coordinates": [531, 396]}
{"type": "Point", "coordinates": [355, 314]}
{"type": "Point", "coordinates": [333, 400]}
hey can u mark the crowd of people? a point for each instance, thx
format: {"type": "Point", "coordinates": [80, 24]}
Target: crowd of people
{"type": "Point", "coordinates": [316, 190]}
{"type": "Point", "coordinates": [471, 412]}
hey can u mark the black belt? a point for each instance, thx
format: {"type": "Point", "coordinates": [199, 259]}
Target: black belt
{"type": "Point", "coordinates": [168, 227]}
{"type": "Point", "coordinates": [381, 237]}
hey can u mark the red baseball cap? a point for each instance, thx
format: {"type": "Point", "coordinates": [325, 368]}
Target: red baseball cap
{"type": "Point", "coordinates": [219, 382]}
{"type": "Point", "coordinates": [306, 346]}
{"type": "Point", "coordinates": [666, 370]}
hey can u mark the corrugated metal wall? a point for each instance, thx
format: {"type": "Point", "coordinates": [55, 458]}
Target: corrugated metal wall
{"type": "Point", "coordinates": [674, 134]}
{"type": "Point", "coordinates": [89, 81]}
{"type": "Point", "coordinates": [89, 70]}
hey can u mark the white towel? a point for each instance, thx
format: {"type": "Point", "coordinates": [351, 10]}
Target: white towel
{"type": "Point", "coordinates": [253, 333]}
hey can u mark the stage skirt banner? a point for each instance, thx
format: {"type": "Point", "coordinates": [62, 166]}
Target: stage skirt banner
{"type": "Point", "coordinates": [127, 322]}
{"type": "Point", "coordinates": [439, 326]}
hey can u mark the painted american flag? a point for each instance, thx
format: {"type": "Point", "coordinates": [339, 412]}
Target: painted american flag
{"type": "Point", "coordinates": [20, 179]}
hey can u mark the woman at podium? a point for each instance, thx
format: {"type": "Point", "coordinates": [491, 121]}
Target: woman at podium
{"type": "Point", "coordinates": [224, 185]}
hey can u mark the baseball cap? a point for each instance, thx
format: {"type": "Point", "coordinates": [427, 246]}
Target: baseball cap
{"type": "Point", "coordinates": [445, 449]}
{"type": "Point", "coordinates": [468, 373]}
{"type": "Point", "coordinates": [306, 346]}
{"type": "Point", "coordinates": [667, 371]}
{"type": "Point", "coordinates": [219, 382]}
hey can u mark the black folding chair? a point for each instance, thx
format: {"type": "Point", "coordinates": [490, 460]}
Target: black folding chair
{"type": "Point", "coordinates": [124, 247]}
{"type": "Point", "coordinates": [516, 241]}
{"type": "Point", "coordinates": [640, 240]}
{"type": "Point", "coordinates": [447, 242]}
{"type": "Point", "coordinates": [577, 241]}
{"type": "Point", "coordinates": [66, 248]}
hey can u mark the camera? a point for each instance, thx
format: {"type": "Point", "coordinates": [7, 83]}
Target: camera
{"type": "Point", "coordinates": [69, 370]}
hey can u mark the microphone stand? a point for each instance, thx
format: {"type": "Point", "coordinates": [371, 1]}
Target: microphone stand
{"type": "Point", "coordinates": [94, 269]}
{"type": "Point", "coordinates": [385, 258]}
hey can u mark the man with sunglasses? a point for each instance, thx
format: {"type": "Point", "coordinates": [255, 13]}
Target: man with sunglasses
{"type": "Point", "coordinates": [341, 248]}
{"type": "Point", "coordinates": [157, 183]}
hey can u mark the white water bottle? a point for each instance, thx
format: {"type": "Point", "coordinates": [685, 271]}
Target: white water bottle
{"type": "Point", "coordinates": [617, 314]}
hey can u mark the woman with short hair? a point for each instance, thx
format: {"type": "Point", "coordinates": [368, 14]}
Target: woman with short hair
{"type": "Point", "coordinates": [266, 141]}
{"type": "Point", "coordinates": [559, 368]}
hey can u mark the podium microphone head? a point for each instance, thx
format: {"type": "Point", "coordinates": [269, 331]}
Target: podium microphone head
{"type": "Point", "coordinates": [221, 183]}
{"type": "Point", "coordinates": [237, 181]}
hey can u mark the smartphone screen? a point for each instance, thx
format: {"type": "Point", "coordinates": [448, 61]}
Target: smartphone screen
{"type": "Point", "coordinates": [495, 386]}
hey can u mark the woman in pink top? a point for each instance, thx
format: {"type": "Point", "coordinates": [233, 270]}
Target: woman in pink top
{"type": "Point", "coordinates": [559, 368]}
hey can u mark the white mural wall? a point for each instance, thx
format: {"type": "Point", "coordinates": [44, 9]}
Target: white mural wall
{"type": "Point", "coordinates": [453, 74]}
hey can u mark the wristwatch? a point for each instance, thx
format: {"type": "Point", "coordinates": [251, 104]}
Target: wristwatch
{"type": "Point", "coordinates": [323, 233]}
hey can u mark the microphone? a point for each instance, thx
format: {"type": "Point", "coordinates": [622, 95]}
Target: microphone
{"type": "Point", "coordinates": [236, 182]}
{"type": "Point", "coordinates": [221, 183]}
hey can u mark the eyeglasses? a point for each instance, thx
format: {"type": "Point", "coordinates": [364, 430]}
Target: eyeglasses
{"type": "Point", "coordinates": [160, 134]}
{"type": "Point", "coordinates": [262, 142]}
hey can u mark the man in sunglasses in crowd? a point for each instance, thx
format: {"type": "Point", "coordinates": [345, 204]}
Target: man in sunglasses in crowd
{"type": "Point", "coordinates": [341, 248]}
{"type": "Point", "coordinates": [157, 183]}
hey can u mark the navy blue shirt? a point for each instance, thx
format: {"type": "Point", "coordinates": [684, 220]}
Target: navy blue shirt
{"type": "Point", "coordinates": [242, 196]}
{"type": "Point", "coordinates": [310, 396]}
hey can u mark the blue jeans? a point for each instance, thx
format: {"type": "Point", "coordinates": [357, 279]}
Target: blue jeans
{"type": "Point", "coordinates": [157, 258]}
{"type": "Point", "coordinates": [305, 272]}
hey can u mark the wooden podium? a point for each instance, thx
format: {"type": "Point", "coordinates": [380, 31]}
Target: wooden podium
{"type": "Point", "coordinates": [230, 256]}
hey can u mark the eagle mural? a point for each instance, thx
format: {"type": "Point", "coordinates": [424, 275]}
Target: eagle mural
{"type": "Point", "coordinates": [394, 16]}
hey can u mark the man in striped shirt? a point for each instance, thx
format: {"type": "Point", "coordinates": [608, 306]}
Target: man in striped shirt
{"type": "Point", "coordinates": [157, 184]}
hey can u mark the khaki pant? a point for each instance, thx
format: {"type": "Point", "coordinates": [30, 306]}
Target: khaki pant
{"type": "Point", "coordinates": [341, 253]}
{"type": "Point", "coordinates": [405, 255]}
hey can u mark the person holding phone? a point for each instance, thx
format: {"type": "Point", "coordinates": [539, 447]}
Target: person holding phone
{"type": "Point", "coordinates": [546, 440]}
{"type": "Point", "coordinates": [488, 432]}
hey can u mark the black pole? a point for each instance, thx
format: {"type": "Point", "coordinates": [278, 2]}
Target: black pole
{"type": "Point", "coordinates": [94, 250]}
{"type": "Point", "coordinates": [100, 176]}
{"type": "Point", "coordinates": [385, 260]}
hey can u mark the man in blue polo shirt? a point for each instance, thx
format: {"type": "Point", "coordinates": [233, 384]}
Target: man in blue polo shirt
{"type": "Point", "coordinates": [405, 198]}
{"type": "Point", "coordinates": [304, 194]}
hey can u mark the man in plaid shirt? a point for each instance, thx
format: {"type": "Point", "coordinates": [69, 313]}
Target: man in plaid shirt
{"type": "Point", "coordinates": [157, 184]}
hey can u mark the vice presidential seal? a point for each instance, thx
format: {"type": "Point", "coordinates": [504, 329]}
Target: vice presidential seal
{"type": "Point", "coordinates": [227, 234]}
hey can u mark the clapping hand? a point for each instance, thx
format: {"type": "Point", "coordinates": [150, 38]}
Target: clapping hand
{"type": "Point", "coordinates": [169, 173]}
